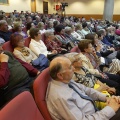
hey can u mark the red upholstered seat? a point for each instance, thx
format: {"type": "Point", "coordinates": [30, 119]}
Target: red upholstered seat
{"type": "Point", "coordinates": [27, 41]}
{"type": "Point", "coordinates": [24, 30]}
{"type": "Point", "coordinates": [40, 87]}
{"type": "Point", "coordinates": [22, 107]}
{"type": "Point", "coordinates": [75, 49]}
{"type": "Point", "coordinates": [43, 37]}
{"type": "Point", "coordinates": [7, 46]}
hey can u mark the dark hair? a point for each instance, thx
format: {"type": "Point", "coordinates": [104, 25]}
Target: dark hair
{"type": "Point", "coordinates": [55, 69]}
{"type": "Point", "coordinates": [58, 28]}
{"type": "Point", "coordinates": [100, 33]}
{"type": "Point", "coordinates": [33, 32]}
{"type": "Point", "coordinates": [14, 39]}
{"type": "Point", "coordinates": [90, 36]}
{"type": "Point", "coordinates": [83, 44]}
{"type": "Point", "coordinates": [28, 25]}
{"type": "Point", "coordinates": [84, 24]}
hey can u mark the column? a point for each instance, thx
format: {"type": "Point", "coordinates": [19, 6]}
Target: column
{"type": "Point", "coordinates": [108, 10]}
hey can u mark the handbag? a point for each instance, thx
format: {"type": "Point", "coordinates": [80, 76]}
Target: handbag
{"type": "Point", "coordinates": [41, 62]}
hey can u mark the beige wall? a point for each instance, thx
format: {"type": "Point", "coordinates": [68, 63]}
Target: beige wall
{"type": "Point", "coordinates": [84, 6]}
{"type": "Point", "coordinates": [117, 7]}
{"type": "Point", "coordinates": [39, 6]}
{"type": "Point", "coordinates": [18, 5]}
{"type": "Point", "coordinates": [75, 6]}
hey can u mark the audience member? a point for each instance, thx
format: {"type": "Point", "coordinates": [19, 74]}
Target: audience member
{"type": "Point", "coordinates": [4, 33]}
{"type": "Point", "coordinates": [67, 99]}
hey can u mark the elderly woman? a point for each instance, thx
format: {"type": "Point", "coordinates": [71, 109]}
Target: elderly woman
{"type": "Point", "coordinates": [78, 28]}
{"type": "Point", "coordinates": [29, 26]}
{"type": "Point", "coordinates": [83, 76]}
{"type": "Point", "coordinates": [75, 34]}
{"type": "Point", "coordinates": [37, 45]}
{"type": "Point", "coordinates": [18, 29]}
{"type": "Point", "coordinates": [41, 27]}
{"type": "Point", "coordinates": [60, 34]}
{"type": "Point", "coordinates": [68, 31]}
{"type": "Point", "coordinates": [113, 65]}
{"type": "Point", "coordinates": [81, 71]}
{"type": "Point", "coordinates": [52, 43]}
{"type": "Point", "coordinates": [24, 53]}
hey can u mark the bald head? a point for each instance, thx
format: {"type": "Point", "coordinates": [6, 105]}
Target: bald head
{"type": "Point", "coordinates": [57, 65]}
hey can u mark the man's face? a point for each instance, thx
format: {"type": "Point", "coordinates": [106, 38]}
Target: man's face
{"type": "Point", "coordinates": [67, 70]}
{"type": "Point", "coordinates": [5, 27]}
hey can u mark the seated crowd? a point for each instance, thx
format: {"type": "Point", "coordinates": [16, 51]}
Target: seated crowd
{"type": "Point", "coordinates": [90, 77]}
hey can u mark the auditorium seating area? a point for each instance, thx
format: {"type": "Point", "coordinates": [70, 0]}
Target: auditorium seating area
{"type": "Point", "coordinates": [26, 106]}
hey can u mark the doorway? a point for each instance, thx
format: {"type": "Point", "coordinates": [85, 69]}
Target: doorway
{"type": "Point", "coordinates": [33, 5]}
{"type": "Point", "coordinates": [45, 7]}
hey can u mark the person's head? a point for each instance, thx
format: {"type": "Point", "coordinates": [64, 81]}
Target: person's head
{"type": "Point", "coordinates": [28, 19]}
{"type": "Point", "coordinates": [2, 17]}
{"type": "Point", "coordinates": [16, 40]}
{"type": "Point", "coordinates": [59, 29]}
{"type": "Point", "coordinates": [55, 23]}
{"type": "Point", "coordinates": [35, 34]}
{"type": "Point", "coordinates": [17, 27]}
{"type": "Point", "coordinates": [49, 34]}
{"type": "Point", "coordinates": [86, 45]}
{"type": "Point", "coordinates": [9, 21]}
{"type": "Point", "coordinates": [78, 26]}
{"type": "Point", "coordinates": [103, 32]}
{"type": "Point", "coordinates": [100, 34]}
{"type": "Point", "coordinates": [30, 25]}
{"type": "Point", "coordinates": [41, 25]}
{"type": "Point", "coordinates": [84, 25]}
{"type": "Point", "coordinates": [3, 25]}
{"type": "Point", "coordinates": [37, 18]}
{"type": "Point", "coordinates": [75, 60]}
{"type": "Point", "coordinates": [91, 36]}
{"type": "Point", "coordinates": [50, 24]}
{"type": "Point", "coordinates": [61, 69]}
{"type": "Point", "coordinates": [68, 30]}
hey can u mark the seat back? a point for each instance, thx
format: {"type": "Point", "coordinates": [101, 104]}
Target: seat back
{"type": "Point", "coordinates": [27, 41]}
{"type": "Point", "coordinates": [40, 86]}
{"type": "Point", "coordinates": [75, 49]}
{"type": "Point", "coordinates": [22, 107]}
{"type": "Point", "coordinates": [7, 46]}
{"type": "Point", "coordinates": [43, 37]}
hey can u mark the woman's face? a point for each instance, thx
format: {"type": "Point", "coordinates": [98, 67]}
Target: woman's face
{"type": "Point", "coordinates": [77, 63]}
{"type": "Point", "coordinates": [21, 43]}
{"type": "Point", "coordinates": [38, 37]}
{"type": "Point", "coordinates": [90, 48]}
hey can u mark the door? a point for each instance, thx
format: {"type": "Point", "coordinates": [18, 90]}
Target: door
{"type": "Point", "coordinates": [33, 5]}
{"type": "Point", "coordinates": [45, 7]}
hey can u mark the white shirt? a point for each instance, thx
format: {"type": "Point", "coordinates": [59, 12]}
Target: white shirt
{"type": "Point", "coordinates": [38, 47]}
{"type": "Point", "coordinates": [65, 104]}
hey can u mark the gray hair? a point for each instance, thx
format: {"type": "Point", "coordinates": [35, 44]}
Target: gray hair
{"type": "Point", "coordinates": [2, 22]}
{"type": "Point", "coordinates": [68, 29]}
{"type": "Point", "coordinates": [49, 32]}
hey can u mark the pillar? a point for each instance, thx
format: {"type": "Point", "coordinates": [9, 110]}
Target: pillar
{"type": "Point", "coordinates": [108, 10]}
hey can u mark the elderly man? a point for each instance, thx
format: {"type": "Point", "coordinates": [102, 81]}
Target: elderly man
{"type": "Point", "coordinates": [68, 100]}
{"type": "Point", "coordinates": [4, 33]}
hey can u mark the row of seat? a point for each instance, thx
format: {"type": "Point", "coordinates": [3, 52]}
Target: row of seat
{"type": "Point", "coordinates": [39, 86]}
{"type": "Point", "coordinates": [7, 45]}
{"type": "Point", "coordinates": [23, 106]}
